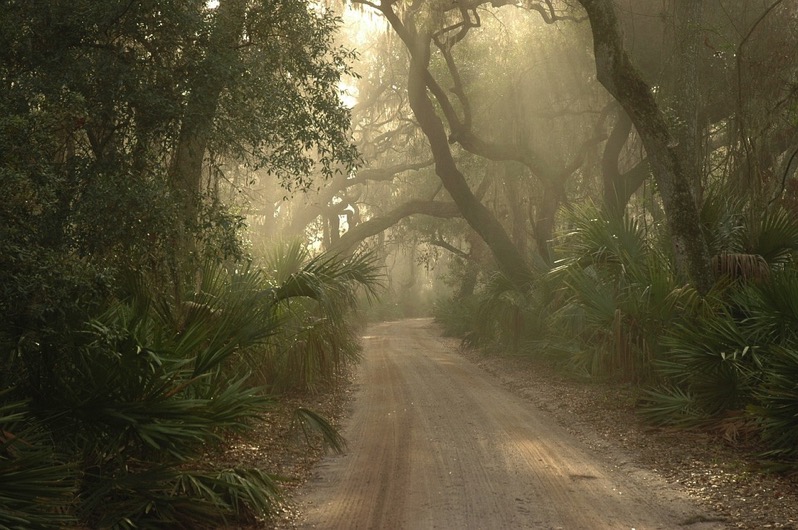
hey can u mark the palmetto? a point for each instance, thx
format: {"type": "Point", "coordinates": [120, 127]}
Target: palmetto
{"type": "Point", "coordinates": [726, 358]}
{"type": "Point", "coordinates": [618, 290]}
{"type": "Point", "coordinates": [730, 361]}
{"type": "Point", "coordinates": [314, 300]}
{"type": "Point", "coordinates": [147, 388]}
{"type": "Point", "coordinates": [37, 485]}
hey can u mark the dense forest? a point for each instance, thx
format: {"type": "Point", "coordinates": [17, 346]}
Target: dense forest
{"type": "Point", "coordinates": [203, 200]}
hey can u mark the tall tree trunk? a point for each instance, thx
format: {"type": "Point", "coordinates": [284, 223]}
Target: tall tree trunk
{"type": "Point", "coordinates": [622, 80]}
{"type": "Point", "coordinates": [512, 175]}
{"type": "Point", "coordinates": [619, 187]}
{"type": "Point", "coordinates": [686, 94]}
{"type": "Point", "coordinates": [205, 90]}
{"type": "Point", "coordinates": [546, 215]}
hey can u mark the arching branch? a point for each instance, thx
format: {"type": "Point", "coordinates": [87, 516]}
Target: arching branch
{"type": "Point", "coordinates": [451, 248]}
{"type": "Point", "coordinates": [372, 227]}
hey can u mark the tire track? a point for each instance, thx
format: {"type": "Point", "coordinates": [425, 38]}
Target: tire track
{"type": "Point", "coordinates": [434, 442]}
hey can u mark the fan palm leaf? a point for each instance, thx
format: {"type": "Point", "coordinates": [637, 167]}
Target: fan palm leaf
{"type": "Point", "coordinates": [37, 487]}
{"type": "Point", "coordinates": [777, 408]}
{"type": "Point", "coordinates": [597, 238]}
{"type": "Point", "coordinates": [311, 298]}
{"type": "Point", "coordinates": [723, 221]}
{"type": "Point", "coordinates": [146, 496]}
{"type": "Point", "coordinates": [716, 359]}
{"type": "Point", "coordinates": [772, 235]}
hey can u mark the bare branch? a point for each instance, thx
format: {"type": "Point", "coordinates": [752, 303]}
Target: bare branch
{"type": "Point", "coordinates": [386, 173]}
{"type": "Point", "coordinates": [457, 89]}
{"type": "Point", "coordinates": [372, 227]}
{"type": "Point", "coordinates": [550, 16]}
{"type": "Point", "coordinates": [366, 3]}
{"type": "Point", "coordinates": [451, 248]}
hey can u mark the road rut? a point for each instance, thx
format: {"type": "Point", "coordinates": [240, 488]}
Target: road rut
{"type": "Point", "coordinates": [435, 442]}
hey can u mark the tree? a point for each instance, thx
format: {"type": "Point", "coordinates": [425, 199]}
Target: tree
{"type": "Point", "coordinates": [444, 27]}
{"type": "Point", "coordinates": [135, 94]}
{"type": "Point", "coordinates": [266, 92]}
{"type": "Point", "coordinates": [118, 119]}
{"type": "Point", "coordinates": [617, 73]}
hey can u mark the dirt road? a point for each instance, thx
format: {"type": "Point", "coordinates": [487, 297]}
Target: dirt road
{"type": "Point", "coordinates": [434, 442]}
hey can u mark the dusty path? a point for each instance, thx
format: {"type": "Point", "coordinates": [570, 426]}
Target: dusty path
{"type": "Point", "coordinates": [434, 442]}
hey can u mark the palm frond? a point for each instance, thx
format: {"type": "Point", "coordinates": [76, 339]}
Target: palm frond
{"type": "Point", "coordinates": [722, 220]}
{"type": "Point", "coordinates": [312, 301]}
{"type": "Point", "coordinates": [597, 238]}
{"type": "Point", "coordinates": [771, 308]}
{"type": "Point", "coordinates": [505, 315]}
{"type": "Point", "coordinates": [170, 497]}
{"type": "Point", "coordinates": [37, 487]}
{"type": "Point", "coordinates": [740, 266]}
{"type": "Point", "coordinates": [330, 279]}
{"type": "Point", "coordinates": [772, 235]}
{"type": "Point", "coordinates": [777, 408]}
{"type": "Point", "coordinates": [312, 423]}
{"type": "Point", "coordinates": [672, 406]}
{"type": "Point", "coordinates": [715, 358]}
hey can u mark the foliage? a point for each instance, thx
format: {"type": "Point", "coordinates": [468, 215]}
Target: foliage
{"type": "Point", "coordinates": [747, 241]}
{"type": "Point", "coordinates": [720, 356]}
{"type": "Point", "coordinates": [122, 354]}
{"type": "Point", "coordinates": [38, 488]}
{"type": "Point", "coordinates": [735, 360]}
{"type": "Point", "coordinates": [507, 316]}
{"type": "Point", "coordinates": [456, 315]}
{"type": "Point", "coordinates": [617, 294]}
{"type": "Point", "coordinates": [498, 316]}
{"type": "Point", "coordinates": [777, 404]}
{"type": "Point", "coordinates": [316, 337]}
{"type": "Point", "coordinates": [708, 357]}
{"type": "Point", "coordinates": [94, 99]}
{"type": "Point", "coordinates": [283, 111]}
{"type": "Point", "coordinates": [119, 75]}
{"type": "Point", "coordinates": [138, 395]}
{"type": "Point", "coordinates": [716, 359]}
{"type": "Point", "coordinates": [617, 309]}
{"type": "Point", "coordinates": [310, 423]}
{"type": "Point", "coordinates": [672, 406]}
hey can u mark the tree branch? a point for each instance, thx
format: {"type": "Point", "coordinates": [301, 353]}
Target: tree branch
{"type": "Point", "coordinates": [550, 16]}
{"type": "Point", "coordinates": [451, 248]}
{"type": "Point", "coordinates": [622, 80]}
{"type": "Point", "coordinates": [372, 227]}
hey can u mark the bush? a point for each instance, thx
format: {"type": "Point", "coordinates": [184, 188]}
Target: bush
{"type": "Point", "coordinates": [37, 487]}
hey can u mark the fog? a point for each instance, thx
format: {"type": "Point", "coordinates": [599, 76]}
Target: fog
{"type": "Point", "coordinates": [530, 131]}
{"type": "Point", "coordinates": [204, 205]}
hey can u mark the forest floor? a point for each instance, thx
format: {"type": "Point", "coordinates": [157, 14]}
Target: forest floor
{"type": "Point", "coordinates": [449, 438]}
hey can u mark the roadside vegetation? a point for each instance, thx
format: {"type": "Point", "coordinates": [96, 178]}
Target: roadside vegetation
{"type": "Point", "coordinates": [142, 330]}
{"type": "Point", "coordinates": [613, 309]}
{"type": "Point", "coordinates": [198, 199]}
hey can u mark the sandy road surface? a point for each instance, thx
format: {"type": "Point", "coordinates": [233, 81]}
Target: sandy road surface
{"type": "Point", "coordinates": [434, 442]}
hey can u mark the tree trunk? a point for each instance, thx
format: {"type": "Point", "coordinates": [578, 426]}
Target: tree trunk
{"type": "Point", "coordinates": [205, 90]}
{"type": "Point", "coordinates": [546, 214]}
{"type": "Point", "coordinates": [686, 94]}
{"type": "Point", "coordinates": [512, 176]}
{"type": "Point", "coordinates": [619, 187]}
{"type": "Point", "coordinates": [622, 80]}
{"type": "Point", "coordinates": [509, 260]}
